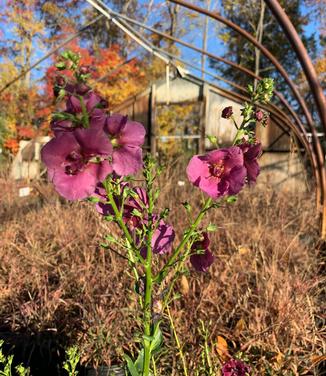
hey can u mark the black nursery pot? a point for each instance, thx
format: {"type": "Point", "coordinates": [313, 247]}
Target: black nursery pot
{"type": "Point", "coordinates": [106, 371]}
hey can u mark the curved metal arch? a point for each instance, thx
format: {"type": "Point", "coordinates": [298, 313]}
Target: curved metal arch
{"type": "Point", "coordinates": [212, 56]}
{"type": "Point", "coordinates": [303, 138]}
{"type": "Point", "coordinates": [301, 52]}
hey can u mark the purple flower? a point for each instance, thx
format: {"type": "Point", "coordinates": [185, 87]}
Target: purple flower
{"type": "Point", "coordinates": [163, 235]}
{"type": "Point", "coordinates": [235, 368]}
{"type": "Point", "coordinates": [76, 162]}
{"type": "Point", "coordinates": [127, 139]}
{"type": "Point", "coordinates": [96, 116]}
{"type": "Point", "coordinates": [202, 261]}
{"type": "Point", "coordinates": [250, 153]}
{"type": "Point", "coordinates": [227, 112]}
{"type": "Point", "coordinates": [219, 172]}
{"type": "Point", "coordinates": [162, 238]}
{"type": "Point", "coordinates": [75, 103]}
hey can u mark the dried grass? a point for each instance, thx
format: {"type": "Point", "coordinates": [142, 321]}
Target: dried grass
{"type": "Point", "coordinates": [263, 294]}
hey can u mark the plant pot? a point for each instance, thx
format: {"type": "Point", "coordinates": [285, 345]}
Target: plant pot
{"type": "Point", "coordinates": [106, 371]}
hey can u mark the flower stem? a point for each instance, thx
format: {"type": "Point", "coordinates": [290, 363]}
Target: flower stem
{"type": "Point", "coordinates": [149, 282]}
{"type": "Point", "coordinates": [125, 230]}
{"type": "Point", "coordinates": [164, 271]}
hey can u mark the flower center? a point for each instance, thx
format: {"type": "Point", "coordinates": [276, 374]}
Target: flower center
{"type": "Point", "coordinates": [216, 169]}
{"type": "Point", "coordinates": [114, 142]}
{"type": "Point", "coordinates": [75, 163]}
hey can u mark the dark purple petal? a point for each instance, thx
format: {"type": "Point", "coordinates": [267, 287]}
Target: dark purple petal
{"type": "Point", "coordinates": [235, 368]}
{"type": "Point", "coordinates": [236, 179]}
{"type": "Point", "coordinates": [97, 119]}
{"type": "Point", "coordinates": [163, 238]}
{"type": "Point", "coordinates": [73, 104]}
{"type": "Point", "coordinates": [115, 123]}
{"type": "Point", "coordinates": [201, 262]}
{"type": "Point", "coordinates": [203, 243]}
{"type": "Point", "coordinates": [61, 126]}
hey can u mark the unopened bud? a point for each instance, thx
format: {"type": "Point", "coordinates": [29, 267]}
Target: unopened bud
{"type": "Point", "coordinates": [259, 115]}
{"type": "Point", "coordinates": [60, 81]}
{"type": "Point", "coordinates": [227, 112]}
{"type": "Point", "coordinates": [82, 89]}
{"type": "Point", "coordinates": [84, 69]}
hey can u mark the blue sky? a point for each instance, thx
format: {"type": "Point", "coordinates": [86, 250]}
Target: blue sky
{"type": "Point", "coordinates": [214, 44]}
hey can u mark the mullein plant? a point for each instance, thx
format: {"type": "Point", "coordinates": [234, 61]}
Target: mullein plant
{"type": "Point", "coordinates": [95, 156]}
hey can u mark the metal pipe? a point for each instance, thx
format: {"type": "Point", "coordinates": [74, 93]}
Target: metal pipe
{"type": "Point", "coordinates": [303, 57]}
{"type": "Point", "coordinates": [321, 184]}
{"type": "Point", "coordinates": [214, 57]}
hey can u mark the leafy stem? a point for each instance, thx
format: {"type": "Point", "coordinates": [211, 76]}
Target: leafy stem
{"type": "Point", "coordinates": [164, 271]}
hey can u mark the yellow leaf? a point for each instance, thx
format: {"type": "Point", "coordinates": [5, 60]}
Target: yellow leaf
{"type": "Point", "coordinates": [243, 250]}
{"type": "Point", "coordinates": [315, 359]}
{"type": "Point", "coordinates": [279, 358]}
{"type": "Point", "coordinates": [222, 348]}
{"type": "Point", "coordinates": [241, 324]}
{"type": "Point", "coordinates": [184, 285]}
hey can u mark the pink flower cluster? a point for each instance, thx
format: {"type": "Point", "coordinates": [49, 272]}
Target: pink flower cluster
{"type": "Point", "coordinates": [235, 367]}
{"type": "Point", "coordinates": [223, 172]}
{"type": "Point", "coordinates": [89, 145]}
{"type": "Point", "coordinates": [163, 235]}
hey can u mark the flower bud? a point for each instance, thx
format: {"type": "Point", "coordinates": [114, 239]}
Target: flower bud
{"type": "Point", "coordinates": [82, 88]}
{"type": "Point", "coordinates": [227, 112]}
{"type": "Point", "coordinates": [84, 69]}
{"type": "Point", "coordinates": [259, 115]}
{"type": "Point", "coordinates": [60, 81]}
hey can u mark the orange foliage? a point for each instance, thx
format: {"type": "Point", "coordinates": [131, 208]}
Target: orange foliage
{"type": "Point", "coordinates": [26, 133]}
{"type": "Point", "coordinates": [115, 86]}
{"type": "Point", "coordinates": [12, 145]}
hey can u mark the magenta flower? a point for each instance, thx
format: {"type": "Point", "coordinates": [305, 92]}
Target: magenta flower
{"type": "Point", "coordinates": [202, 261]}
{"type": "Point", "coordinates": [77, 161]}
{"type": "Point", "coordinates": [127, 138]}
{"type": "Point", "coordinates": [250, 153]}
{"type": "Point", "coordinates": [235, 368]}
{"type": "Point", "coordinates": [96, 116]}
{"type": "Point", "coordinates": [163, 238]}
{"type": "Point", "coordinates": [219, 172]}
{"type": "Point", "coordinates": [75, 103]}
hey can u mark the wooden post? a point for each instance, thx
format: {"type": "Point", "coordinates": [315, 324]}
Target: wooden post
{"type": "Point", "coordinates": [203, 117]}
{"type": "Point", "coordinates": [152, 131]}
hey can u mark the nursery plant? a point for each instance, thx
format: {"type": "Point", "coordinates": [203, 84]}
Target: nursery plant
{"type": "Point", "coordinates": [98, 156]}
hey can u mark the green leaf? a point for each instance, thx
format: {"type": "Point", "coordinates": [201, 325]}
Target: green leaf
{"type": "Point", "coordinates": [136, 213]}
{"type": "Point", "coordinates": [231, 199]}
{"type": "Point", "coordinates": [131, 367]}
{"type": "Point", "coordinates": [213, 140]}
{"type": "Point", "coordinates": [93, 199]}
{"type": "Point", "coordinates": [157, 338]}
{"type": "Point", "coordinates": [211, 227]}
{"type": "Point", "coordinates": [139, 363]}
{"type": "Point", "coordinates": [61, 65]}
{"type": "Point", "coordinates": [187, 206]}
